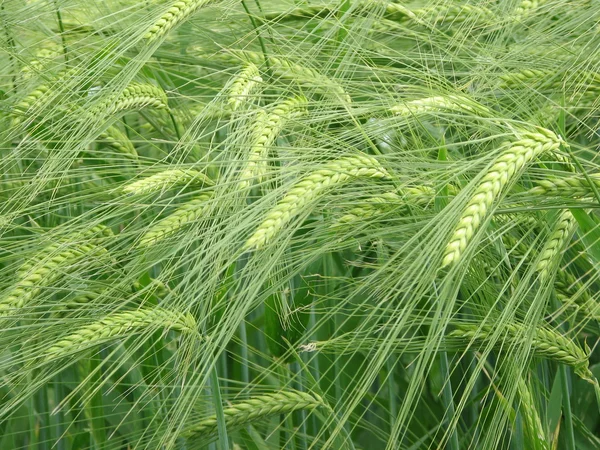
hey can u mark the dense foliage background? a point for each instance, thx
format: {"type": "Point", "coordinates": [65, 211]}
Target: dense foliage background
{"type": "Point", "coordinates": [276, 224]}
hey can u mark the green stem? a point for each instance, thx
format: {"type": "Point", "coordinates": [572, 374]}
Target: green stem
{"type": "Point", "coordinates": [62, 32]}
{"type": "Point", "coordinates": [223, 443]}
{"type": "Point", "coordinates": [564, 383]}
{"type": "Point", "coordinates": [447, 397]}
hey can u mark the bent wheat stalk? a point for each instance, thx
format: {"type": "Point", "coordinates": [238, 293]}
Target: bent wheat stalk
{"type": "Point", "coordinates": [43, 270]}
{"type": "Point", "coordinates": [264, 132]}
{"type": "Point", "coordinates": [243, 84]}
{"type": "Point", "coordinates": [185, 214]}
{"type": "Point", "coordinates": [563, 229]}
{"type": "Point", "coordinates": [575, 186]}
{"type": "Point", "coordinates": [309, 189]}
{"type": "Point", "coordinates": [165, 180]}
{"type": "Point", "coordinates": [179, 11]}
{"type": "Point", "coordinates": [256, 408]}
{"type": "Point", "coordinates": [286, 69]}
{"type": "Point", "coordinates": [546, 343]}
{"type": "Point", "coordinates": [116, 139]}
{"type": "Point", "coordinates": [134, 96]}
{"type": "Point", "coordinates": [117, 325]}
{"type": "Point", "coordinates": [505, 169]}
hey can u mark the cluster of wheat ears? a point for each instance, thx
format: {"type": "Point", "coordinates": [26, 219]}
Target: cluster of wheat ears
{"type": "Point", "coordinates": [354, 224]}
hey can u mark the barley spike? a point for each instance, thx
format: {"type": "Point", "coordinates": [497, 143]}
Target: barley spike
{"type": "Point", "coordinates": [185, 214]}
{"type": "Point", "coordinates": [256, 408]}
{"type": "Point", "coordinates": [179, 11]}
{"type": "Point", "coordinates": [265, 130]}
{"type": "Point", "coordinates": [243, 84]}
{"type": "Point", "coordinates": [504, 170]}
{"type": "Point", "coordinates": [165, 180]}
{"type": "Point", "coordinates": [117, 325]}
{"type": "Point", "coordinates": [309, 189]}
{"type": "Point", "coordinates": [563, 229]}
{"type": "Point", "coordinates": [119, 141]}
{"type": "Point", "coordinates": [546, 343]}
{"type": "Point", "coordinates": [574, 186]}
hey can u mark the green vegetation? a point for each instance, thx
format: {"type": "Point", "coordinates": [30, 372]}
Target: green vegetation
{"type": "Point", "coordinates": [305, 225]}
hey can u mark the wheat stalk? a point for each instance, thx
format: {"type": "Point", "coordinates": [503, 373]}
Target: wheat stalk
{"type": "Point", "coordinates": [264, 132]}
{"type": "Point", "coordinates": [165, 180]}
{"type": "Point", "coordinates": [118, 140]}
{"type": "Point", "coordinates": [286, 69]}
{"type": "Point", "coordinates": [117, 325]}
{"type": "Point", "coordinates": [574, 186]}
{"type": "Point", "coordinates": [562, 232]}
{"type": "Point", "coordinates": [545, 343]}
{"type": "Point", "coordinates": [179, 11]}
{"type": "Point", "coordinates": [43, 270]}
{"type": "Point", "coordinates": [185, 214]}
{"type": "Point", "coordinates": [309, 188]}
{"type": "Point", "coordinates": [256, 408]}
{"type": "Point", "coordinates": [451, 103]}
{"type": "Point", "coordinates": [243, 84]}
{"type": "Point", "coordinates": [134, 96]}
{"type": "Point", "coordinates": [507, 167]}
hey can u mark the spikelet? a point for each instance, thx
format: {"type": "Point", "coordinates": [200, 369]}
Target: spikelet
{"type": "Point", "coordinates": [43, 57]}
{"type": "Point", "coordinates": [562, 232]}
{"type": "Point", "coordinates": [256, 408]}
{"type": "Point", "coordinates": [375, 205]}
{"type": "Point", "coordinates": [185, 214]}
{"type": "Point", "coordinates": [265, 130]}
{"type": "Point", "coordinates": [507, 167]}
{"type": "Point", "coordinates": [179, 11]}
{"type": "Point", "coordinates": [527, 8]}
{"type": "Point", "coordinates": [546, 343]}
{"type": "Point", "coordinates": [28, 105]}
{"type": "Point", "coordinates": [584, 82]}
{"type": "Point", "coordinates": [117, 325]}
{"type": "Point", "coordinates": [575, 186]}
{"type": "Point", "coordinates": [116, 139]}
{"type": "Point", "coordinates": [43, 270]}
{"type": "Point", "coordinates": [134, 96]}
{"type": "Point", "coordinates": [454, 14]}
{"type": "Point", "coordinates": [286, 69]}
{"type": "Point", "coordinates": [165, 180]}
{"type": "Point", "coordinates": [531, 418]}
{"type": "Point", "coordinates": [243, 84]}
{"type": "Point", "coordinates": [309, 189]}
{"type": "Point", "coordinates": [447, 103]}
{"type": "Point", "coordinates": [572, 292]}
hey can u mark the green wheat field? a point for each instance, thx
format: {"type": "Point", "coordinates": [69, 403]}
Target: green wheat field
{"type": "Point", "coordinates": [290, 224]}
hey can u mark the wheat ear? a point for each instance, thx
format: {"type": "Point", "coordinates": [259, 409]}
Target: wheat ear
{"type": "Point", "coordinates": [505, 169]}
{"type": "Point", "coordinates": [118, 325]}
{"type": "Point", "coordinates": [575, 186]}
{"type": "Point", "coordinates": [185, 214]}
{"type": "Point", "coordinates": [179, 11]}
{"type": "Point", "coordinates": [165, 180]}
{"type": "Point", "coordinates": [373, 206]}
{"type": "Point", "coordinates": [527, 8]}
{"type": "Point", "coordinates": [41, 60]}
{"type": "Point", "coordinates": [450, 103]}
{"type": "Point", "coordinates": [265, 130]}
{"type": "Point", "coordinates": [43, 270]}
{"type": "Point", "coordinates": [546, 343]}
{"type": "Point", "coordinates": [243, 84]}
{"type": "Point", "coordinates": [309, 188]}
{"type": "Point", "coordinates": [572, 292]}
{"type": "Point", "coordinates": [256, 408]}
{"type": "Point", "coordinates": [286, 69]}
{"type": "Point", "coordinates": [531, 417]}
{"type": "Point", "coordinates": [119, 141]}
{"type": "Point", "coordinates": [563, 229]}
{"type": "Point", "coordinates": [134, 96]}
